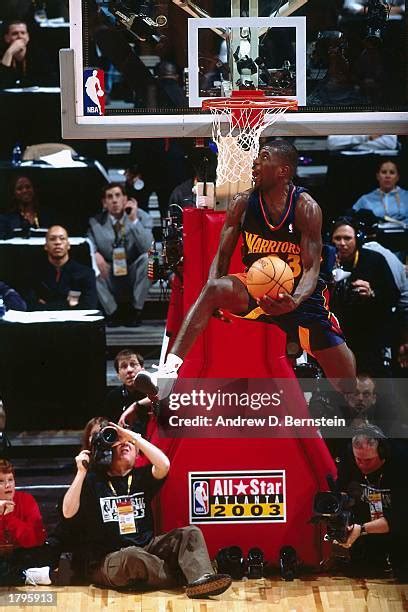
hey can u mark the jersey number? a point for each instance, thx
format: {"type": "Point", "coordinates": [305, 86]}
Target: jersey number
{"type": "Point", "coordinates": [293, 262]}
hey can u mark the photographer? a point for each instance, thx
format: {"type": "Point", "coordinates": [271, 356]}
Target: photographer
{"type": "Point", "coordinates": [373, 471]}
{"type": "Point", "coordinates": [364, 300]}
{"type": "Point", "coordinates": [121, 235]}
{"type": "Point", "coordinates": [114, 523]}
{"type": "Point", "coordinates": [126, 404]}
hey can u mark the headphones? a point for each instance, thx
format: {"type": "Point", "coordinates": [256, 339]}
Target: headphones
{"type": "Point", "coordinates": [375, 433]}
{"type": "Point", "coordinates": [358, 227]}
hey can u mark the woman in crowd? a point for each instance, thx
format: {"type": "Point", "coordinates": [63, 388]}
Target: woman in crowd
{"type": "Point", "coordinates": [21, 524]}
{"type": "Point", "coordinates": [24, 212]}
{"type": "Point", "coordinates": [388, 200]}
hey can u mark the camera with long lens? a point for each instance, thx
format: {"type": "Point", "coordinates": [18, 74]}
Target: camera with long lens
{"type": "Point", "coordinates": [138, 24]}
{"type": "Point", "coordinates": [102, 445]}
{"type": "Point", "coordinates": [345, 293]}
{"type": "Point", "coordinates": [334, 508]}
{"type": "Point", "coordinates": [162, 264]}
{"type": "Point", "coordinates": [377, 16]}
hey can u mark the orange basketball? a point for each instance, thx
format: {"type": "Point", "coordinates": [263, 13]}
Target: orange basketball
{"type": "Point", "coordinates": [271, 276]}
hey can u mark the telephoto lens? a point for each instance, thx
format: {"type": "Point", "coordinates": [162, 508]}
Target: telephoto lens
{"type": "Point", "coordinates": [109, 435]}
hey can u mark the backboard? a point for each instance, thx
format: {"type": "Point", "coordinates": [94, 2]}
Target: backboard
{"type": "Point", "coordinates": [142, 69]}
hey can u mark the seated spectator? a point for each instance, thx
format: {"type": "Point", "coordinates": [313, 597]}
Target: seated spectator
{"type": "Point", "coordinates": [11, 299]}
{"type": "Point", "coordinates": [400, 277]}
{"type": "Point", "coordinates": [388, 200]}
{"type": "Point", "coordinates": [364, 300]}
{"type": "Point", "coordinates": [123, 404]}
{"type": "Point", "coordinates": [121, 236]}
{"type": "Point", "coordinates": [363, 406]}
{"type": "Point", "coordinates": [61, 283]}
{"type": "Point", "coordinates": [370, 144]}
{"type": "Point", "coordinates": [25, 212]}
{"type": "Point", "coordinates": [22, 64]}
{"type": "Point", "coordinates": [135, 557]}
{"type": "Point", "coordinates": [374, 468]}
{"type": "Point", "coordinates": [21, 524]}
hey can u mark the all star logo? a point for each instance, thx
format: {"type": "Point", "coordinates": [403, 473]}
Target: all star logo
{"type": "Point", "coordinates": [238, 497]}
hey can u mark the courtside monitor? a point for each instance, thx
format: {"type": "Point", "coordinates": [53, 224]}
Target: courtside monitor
{"type": "Point", "coordinates": [144, 69]}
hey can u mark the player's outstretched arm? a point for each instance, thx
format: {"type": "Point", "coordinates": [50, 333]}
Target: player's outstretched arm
{"type": "Point", "coordinates": [308, 220]}
{"type": "Point", "coordinates": [229, 235]}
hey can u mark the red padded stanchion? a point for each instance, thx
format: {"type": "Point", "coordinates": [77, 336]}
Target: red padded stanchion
{"type": "Point", "coordinates": [242, 349]}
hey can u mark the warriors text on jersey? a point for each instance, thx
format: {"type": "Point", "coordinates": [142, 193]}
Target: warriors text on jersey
{"type": "Point", "coordinates": [311, 322]}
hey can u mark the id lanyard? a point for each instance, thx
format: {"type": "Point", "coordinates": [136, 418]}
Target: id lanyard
{"type": "Point", "coordinates": [119, 259]}
{"type": "Point", "coordinates": [374, 499]}
{"type": "Point", "coordinates": [124, 507]}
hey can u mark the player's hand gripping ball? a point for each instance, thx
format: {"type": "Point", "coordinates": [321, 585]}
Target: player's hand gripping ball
{"type": "Point", "coordinates": [269, 276]}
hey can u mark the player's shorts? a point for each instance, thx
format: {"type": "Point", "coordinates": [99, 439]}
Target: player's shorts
{"type": "Point", "coordinates": [312, 323]}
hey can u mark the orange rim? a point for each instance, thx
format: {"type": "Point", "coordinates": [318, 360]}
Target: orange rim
{"type": "Point", "coordinates": [246, 103]}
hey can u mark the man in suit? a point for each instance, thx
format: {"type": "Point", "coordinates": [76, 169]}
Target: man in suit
{"type": "Point", "coordinates": [121, 235]}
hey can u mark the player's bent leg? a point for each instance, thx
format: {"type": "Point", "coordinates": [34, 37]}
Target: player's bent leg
{"type": "Point", "coordinates": [227, 293]}
{"type": "Point", "coordinates": [339, 365]}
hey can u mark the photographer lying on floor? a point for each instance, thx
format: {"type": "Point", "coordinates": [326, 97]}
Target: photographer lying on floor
{"type": "Point", "coordinates": [373, 471]}
{"type": "Point", "coordinates": [110, 502]}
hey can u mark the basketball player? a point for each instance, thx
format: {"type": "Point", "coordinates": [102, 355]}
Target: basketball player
{"type": "Point", "coordinates": [274, 218]}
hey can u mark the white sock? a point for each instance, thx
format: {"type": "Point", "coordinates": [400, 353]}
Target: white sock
{"type": "Point", "coordinates": [173, 362]}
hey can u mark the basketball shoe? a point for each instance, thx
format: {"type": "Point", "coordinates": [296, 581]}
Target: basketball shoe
{"type": "Point", "coordinates": [159, 384]}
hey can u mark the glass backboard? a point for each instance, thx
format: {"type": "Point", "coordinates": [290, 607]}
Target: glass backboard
{"type": "Point", "coordinates": [142, 68]}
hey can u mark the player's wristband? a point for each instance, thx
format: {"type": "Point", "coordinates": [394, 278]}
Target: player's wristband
{"type": "Point", "coordinates": [363, 531]}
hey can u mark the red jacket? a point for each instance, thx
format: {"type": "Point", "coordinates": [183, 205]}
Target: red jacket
{"type": "Point", "coordinates": [24, 526]}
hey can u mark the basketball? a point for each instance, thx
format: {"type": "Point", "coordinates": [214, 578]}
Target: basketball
{"type": "Point", "coordinates": [271, 276]}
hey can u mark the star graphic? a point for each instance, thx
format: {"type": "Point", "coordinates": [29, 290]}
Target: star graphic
{"type": "Point", "coordinates": [241, 488]}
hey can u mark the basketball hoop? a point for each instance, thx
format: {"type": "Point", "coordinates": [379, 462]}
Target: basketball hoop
{"type": "Point", "coordinates": [238, 123]}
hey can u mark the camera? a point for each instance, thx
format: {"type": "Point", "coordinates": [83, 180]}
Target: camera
{"type": "Point", "coordinates": [162, 264]}
{"type": "Point", "coordinates": [255, 563]}
{"type": "Point", "coordinates": [288, 563]}
{"type": "Point", "coordinates": [101, 446]}
{"type": "Point", "coordinates": [345, 293]}
{"type": "Point", "coordinates": [137, 24]}
{"type": "Point", "coordinates": [334, 508]}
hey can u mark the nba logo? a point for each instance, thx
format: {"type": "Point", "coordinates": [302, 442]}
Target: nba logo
{"type": "Point", "coordinates": [94, 92]}
{"type": "Point", "coordinates": [200, 497]}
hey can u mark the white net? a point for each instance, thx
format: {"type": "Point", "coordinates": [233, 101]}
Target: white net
{"type": "Point", "coordinates": [236, 133]}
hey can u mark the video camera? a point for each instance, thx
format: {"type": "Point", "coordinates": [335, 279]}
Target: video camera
{"type": "Point", "coordinates": [162, 264]}
{"type": "Point", "coordinates": [101, 446]}
{"type": "Point", "coordinates": [334, 508]}
{"type": "Point", "coordinates": [137, 24]}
